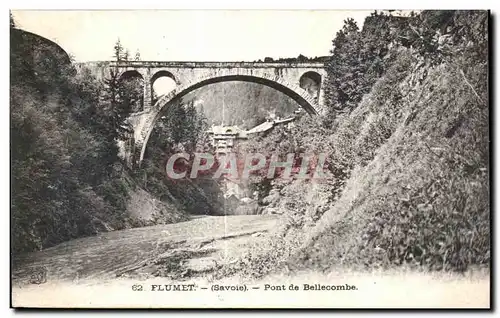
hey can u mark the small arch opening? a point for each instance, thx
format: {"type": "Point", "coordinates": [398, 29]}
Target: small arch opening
{"type": "Point", "coordinates": [163, 82]}
{"type": "Point", "coordinates": [311, 82]}
{"type": "Point", "coordinates": [133, 90]}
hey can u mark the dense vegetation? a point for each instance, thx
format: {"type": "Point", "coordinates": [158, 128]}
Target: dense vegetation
{"type": "Point", "coordinates": [64, 181]}
{"type": "Point", "coordinates": [407, 141]}
{"type": "Point", "coordinates": [68, 180]}
{"type": "Point", "coordinates": [299, 59]}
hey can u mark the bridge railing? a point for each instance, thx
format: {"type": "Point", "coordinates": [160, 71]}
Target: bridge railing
{"type": "Point", "coordinates": [187, 64]}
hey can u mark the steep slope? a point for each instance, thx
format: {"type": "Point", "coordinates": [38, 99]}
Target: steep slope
{"type": "Point", "coordinates": [420, 193]}
{"type": "Point", "coordinates": [410, 162]}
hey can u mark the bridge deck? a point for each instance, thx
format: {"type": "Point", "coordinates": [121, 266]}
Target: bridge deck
{"type": "Point", "coordinates": [196, 64]}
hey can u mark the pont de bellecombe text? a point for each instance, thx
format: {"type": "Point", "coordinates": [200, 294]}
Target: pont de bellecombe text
{"type": "Point", "coordinates": [244, 288]}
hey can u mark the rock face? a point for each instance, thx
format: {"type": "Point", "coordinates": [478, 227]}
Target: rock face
{"type": "Point", "coordinates": [143, 207]}
{"type": "Point", "coordinates": [40, 47]}
{"type": "Point", "coordinates": [251, 207]}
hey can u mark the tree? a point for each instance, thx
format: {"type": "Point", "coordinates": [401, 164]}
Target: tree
{"type": "Point", "coordinates": [116, 105]}
{"type": "Point", "coordinates": [125, 55]}
{"type": "Point", "coordinates": [64, 153]}
{"type": "Point", "coordinates": [344, 68]}
{"type": "Point", "coordinates": [359, 59]}
{"type": "Point", "coordinates": [12, 22]}
{"type": "Point", "coordinates": [137, 56]}
{"type": "Point", "coordinates": [120, 97]}
{"type": "Point", "coordinates": [118, 50]}
{"type": "Point", "coordinates": [302, 58]}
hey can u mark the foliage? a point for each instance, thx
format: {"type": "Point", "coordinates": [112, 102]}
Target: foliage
{"type": "Point", "coordinates": [67, 179]}
{"type": "Point", "coordinates": [435, 212]}
{"type": "Point", "coordinates": [408, 146]}
{"type": "Point", "coordinates": [299, 59]}
{"type": "Point", "coordinates": [359, 58]}
{"type": "Point", "coordinates": [120, 97]}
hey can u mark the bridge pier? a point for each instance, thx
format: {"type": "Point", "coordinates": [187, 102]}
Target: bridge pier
{"type": "Point", "coordinates": [148, 91]}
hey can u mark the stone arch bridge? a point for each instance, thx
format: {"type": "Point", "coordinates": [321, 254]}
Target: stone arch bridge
{"type": "Point", "coordinates": [300, 81]}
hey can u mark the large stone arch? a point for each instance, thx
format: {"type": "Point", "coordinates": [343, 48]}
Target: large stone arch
{"type": "Point", "coordinates": [145, 121]}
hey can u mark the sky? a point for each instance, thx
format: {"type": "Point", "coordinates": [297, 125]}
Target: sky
{"type": "Point", "coordinates": [190, 35]}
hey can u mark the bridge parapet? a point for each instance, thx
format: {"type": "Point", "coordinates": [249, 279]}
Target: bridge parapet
{"type": "Point", "coordinates": [196, 64]}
